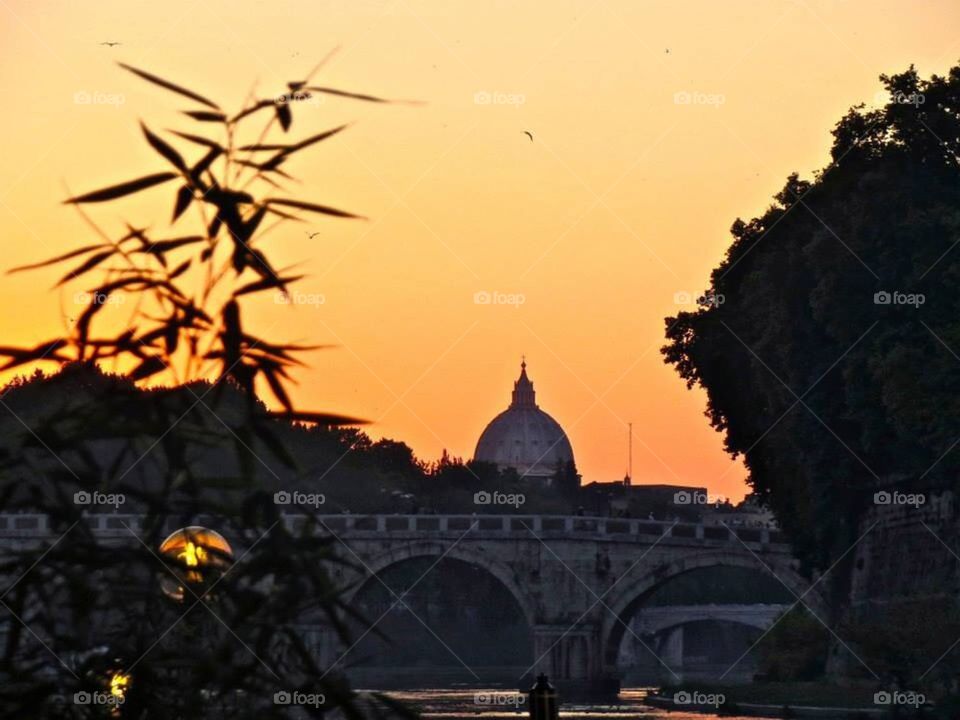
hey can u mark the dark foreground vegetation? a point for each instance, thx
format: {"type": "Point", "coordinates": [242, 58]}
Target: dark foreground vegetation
{"type": "Point", "coordinates": [828, 344]}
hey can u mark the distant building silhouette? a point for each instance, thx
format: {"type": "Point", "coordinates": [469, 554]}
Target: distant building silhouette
{"type": "Point", "coordinates": [524, 437]}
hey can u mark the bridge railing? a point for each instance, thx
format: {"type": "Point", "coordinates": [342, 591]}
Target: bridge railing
{"type": "Point", "coordinates": [117, 524]}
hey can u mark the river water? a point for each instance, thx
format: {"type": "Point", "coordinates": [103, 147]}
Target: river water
{"type": "Point", "coordinates": [497, 704]}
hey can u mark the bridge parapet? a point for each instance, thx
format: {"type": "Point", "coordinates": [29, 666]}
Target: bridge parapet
{"type": "Point", "coordinates": [26, 525]}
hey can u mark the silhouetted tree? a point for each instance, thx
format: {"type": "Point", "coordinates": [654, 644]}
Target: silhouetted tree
{"type": "Point", "coordinates": [826, 389]}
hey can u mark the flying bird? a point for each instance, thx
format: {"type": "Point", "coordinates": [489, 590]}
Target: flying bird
{"type": "Point", "coordinates": [111, 44]}
{"type": "Point", "coordinates": [528, 134]}
{"type": "Point", "coordinates": [311, 235]}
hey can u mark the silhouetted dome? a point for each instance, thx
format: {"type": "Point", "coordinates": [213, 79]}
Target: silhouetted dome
{"type": "Point", "coordinates": [523, 436]}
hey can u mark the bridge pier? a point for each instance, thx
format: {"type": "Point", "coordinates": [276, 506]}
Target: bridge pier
{"type": "Point", "coordinates": [572, 658]}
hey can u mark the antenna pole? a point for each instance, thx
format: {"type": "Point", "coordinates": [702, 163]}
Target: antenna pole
{"type": "Point", "coordinates": [630, 451]}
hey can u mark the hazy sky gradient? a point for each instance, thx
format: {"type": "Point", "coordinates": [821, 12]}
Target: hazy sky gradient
{"type": "Point", "coordinates": [623, 200]}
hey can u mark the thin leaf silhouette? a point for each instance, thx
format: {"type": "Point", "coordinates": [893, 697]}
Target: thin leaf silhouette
{"type": "Point", "coordinates": [115, 191]}
{"type": "Point", "coordinates": [170, 86]}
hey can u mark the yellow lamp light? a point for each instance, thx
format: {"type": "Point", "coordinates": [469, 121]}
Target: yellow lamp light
{"type": "Point", "coordinates": [198, 555]}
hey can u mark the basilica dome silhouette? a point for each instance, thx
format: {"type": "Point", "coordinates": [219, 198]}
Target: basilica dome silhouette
{"type": "Point", "coordinates": [524, 437]}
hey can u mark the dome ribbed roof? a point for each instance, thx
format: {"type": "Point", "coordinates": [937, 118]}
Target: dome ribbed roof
{"type": "Point", "coordinates": [523, 436]}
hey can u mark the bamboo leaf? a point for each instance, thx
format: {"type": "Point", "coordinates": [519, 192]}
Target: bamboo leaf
{"type": "Point", "coordinates": [180, 269]}
{"type": "Point", "coordinates": [313, 207]}
{"type": "Point", "coordinates": [151, 366]}
{"type": "Point", "coordinates": [90, 263]}
{"type": "Point", "coordinates": [165, 149]}
{"type": "Point", "coordinates": [59, 258]}
{"type": "Point", "coordinates": [359, 96]}
{"type": "Point", "coordinates": [184, 198]}
{"type": "Point", "coordinates": [284, 115]}
{"type": "Point", "coordinates": [277, 387]}
{"type": "Point", "coordinates": [259, 105]}
{"type": "Point", "coordinates": [170, 86]}
{"type": "Point", "coordinates": [265, 284]}
{"type": "Point", "coordinates": [198, 139]}
{"type": "Point", "coordinates": [127, 188]}
{"type": "Point", "coordinates": [203, 165]}
{"type": "Point", "coordinates": [205, 115]}
{"type": "Point", "coordinates": [317, 418]}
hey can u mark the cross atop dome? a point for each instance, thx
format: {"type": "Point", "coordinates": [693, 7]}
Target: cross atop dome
{"type": "Point", "coordinates": [523, 393]}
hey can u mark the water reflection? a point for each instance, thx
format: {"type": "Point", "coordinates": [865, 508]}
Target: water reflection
{"type": "Point", "coordinates": [462, 703]}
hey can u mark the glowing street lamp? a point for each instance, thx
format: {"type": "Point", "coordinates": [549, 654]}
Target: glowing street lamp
{"type": "Point", "coordinates": [119, 684]}
{"type": "Point", "coordinates": [198, 555]}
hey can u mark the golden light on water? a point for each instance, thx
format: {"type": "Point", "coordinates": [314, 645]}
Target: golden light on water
{"type": "Point", "coordinates": [201, 554]}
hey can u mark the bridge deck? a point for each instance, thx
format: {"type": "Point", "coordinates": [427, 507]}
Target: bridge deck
{"type": "Point", "coordinates": [621, 529]}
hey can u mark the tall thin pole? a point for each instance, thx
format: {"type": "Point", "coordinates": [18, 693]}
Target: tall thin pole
{"type": "Point", "coordinates": [630, 451]}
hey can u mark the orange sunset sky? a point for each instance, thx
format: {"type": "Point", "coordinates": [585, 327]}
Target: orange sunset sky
{"type": "Point", "coordinates": [655, 125]}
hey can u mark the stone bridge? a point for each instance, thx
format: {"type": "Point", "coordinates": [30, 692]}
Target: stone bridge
{"type": "Point", "coordinates": [577, 580]}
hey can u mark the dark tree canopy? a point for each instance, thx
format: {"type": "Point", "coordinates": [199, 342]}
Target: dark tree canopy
{"type": "Point", "coordinates": [827, 391]}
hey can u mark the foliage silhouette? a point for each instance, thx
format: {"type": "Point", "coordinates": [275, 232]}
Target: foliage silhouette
{"type": "Point", "coordinates": [80, 606]}
{"type": "Point", "coordinates": [818, 368]}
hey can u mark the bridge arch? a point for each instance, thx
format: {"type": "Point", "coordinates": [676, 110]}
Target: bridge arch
{"type": "Point", "coordinates": [469, 554]}
{"type": "Point", "coordinates": [632, 591]}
